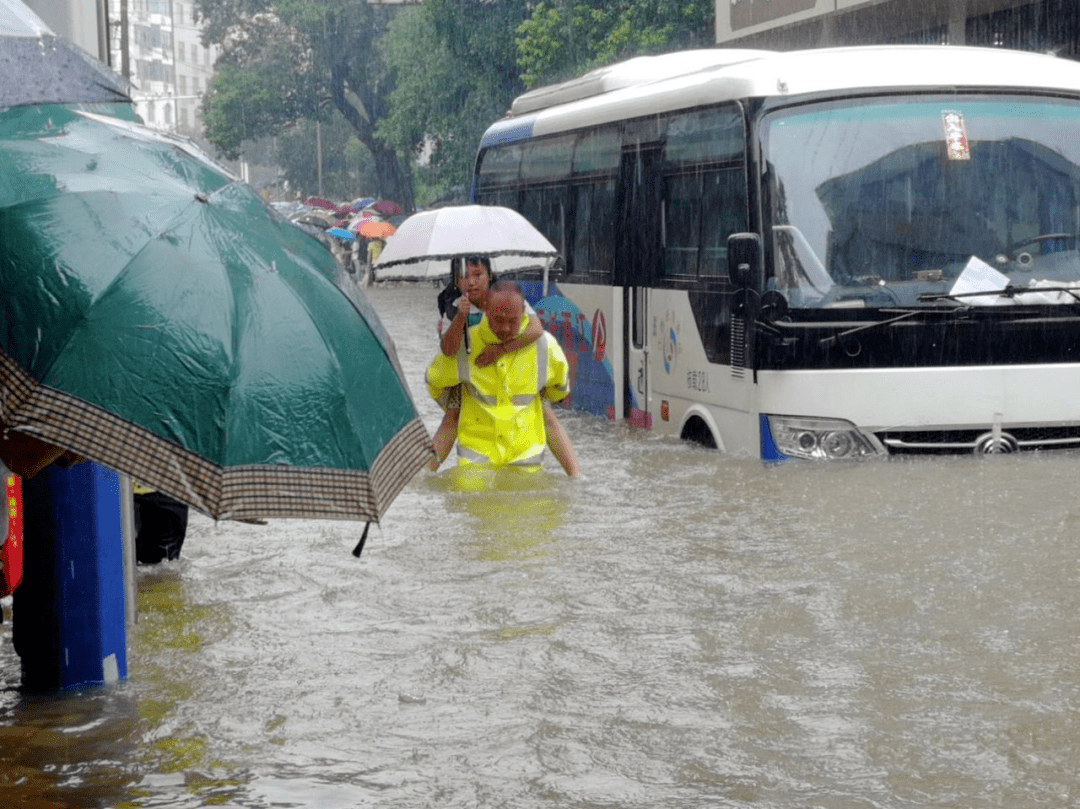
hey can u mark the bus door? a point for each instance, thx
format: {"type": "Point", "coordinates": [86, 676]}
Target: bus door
{"type": "Point", "coordinates": [635, 267]}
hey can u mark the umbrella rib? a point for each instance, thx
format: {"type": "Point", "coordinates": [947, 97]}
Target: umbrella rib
{"type": "Point", "coordinates": [447, 256]}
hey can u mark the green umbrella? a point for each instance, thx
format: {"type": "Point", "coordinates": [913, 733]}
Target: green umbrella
{"type": "Point", "coordinates": [160, 319]}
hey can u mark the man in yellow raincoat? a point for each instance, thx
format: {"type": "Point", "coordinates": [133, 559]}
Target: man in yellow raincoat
{"type": "Point", "coordinates": [502, 408]}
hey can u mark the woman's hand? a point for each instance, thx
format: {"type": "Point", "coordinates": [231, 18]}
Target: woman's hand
{"type": "Point", "coordinates": [490, 354]}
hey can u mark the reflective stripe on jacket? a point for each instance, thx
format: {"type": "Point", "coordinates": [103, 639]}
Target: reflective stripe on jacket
{"type": "Point", "coordinates": [502, 407]}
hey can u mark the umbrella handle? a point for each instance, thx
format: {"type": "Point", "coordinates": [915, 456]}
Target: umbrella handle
{"type": "Point", "coordinates": [363, 538]}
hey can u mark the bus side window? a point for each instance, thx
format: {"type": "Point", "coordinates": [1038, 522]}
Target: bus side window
{"type": "Point", "coordinates": [723, 202]}
{"type": "Point", "coordinates": [593, 215]}
{"type": "Point", "coordinates": [704, 187]}
{"type": "Point", "coordinates": [545, 207]}
{"type": "Point", "coordinates": [681, 224]}
{"type": "Point", "coordinates": [593, 234]}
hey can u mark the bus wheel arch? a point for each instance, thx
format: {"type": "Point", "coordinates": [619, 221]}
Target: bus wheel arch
{"type": "Point", "coordinates": [698, 427]}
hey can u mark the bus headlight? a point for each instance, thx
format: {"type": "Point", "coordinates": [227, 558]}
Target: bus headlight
{"type": "Point", "coordinates": [829, 439]}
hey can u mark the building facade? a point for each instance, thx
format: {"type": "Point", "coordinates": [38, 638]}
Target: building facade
{"type": "Point", "coordinates": [154, 44]}
{"type": "Point", "coordinates": [167, 65]}
{"type": "Point", "coordinates": [1036, 25]}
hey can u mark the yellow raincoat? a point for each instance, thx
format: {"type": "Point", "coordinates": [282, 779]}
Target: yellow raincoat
{"type": "Point", "coordinates": [502, 408]}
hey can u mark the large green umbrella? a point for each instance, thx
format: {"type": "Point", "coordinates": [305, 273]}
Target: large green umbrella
{"type": "Point", "coordinates": [159, 318]}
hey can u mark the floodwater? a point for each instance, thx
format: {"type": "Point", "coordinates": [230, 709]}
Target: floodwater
{"type": "Point", "coordinates": [676, 629]}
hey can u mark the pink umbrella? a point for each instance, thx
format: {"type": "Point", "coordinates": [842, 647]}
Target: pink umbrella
{"type": "Point", "coordinates": [387, 207]}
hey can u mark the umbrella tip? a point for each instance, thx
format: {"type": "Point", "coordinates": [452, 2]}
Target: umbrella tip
{"type": "Point", "coordinates": [205, 200]}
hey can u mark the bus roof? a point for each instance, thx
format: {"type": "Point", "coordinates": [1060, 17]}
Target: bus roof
{"type": "Point", "coordinates": [653, 84]}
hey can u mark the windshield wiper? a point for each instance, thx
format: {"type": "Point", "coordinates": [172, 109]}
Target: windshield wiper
{"type": "Point", "coordinates": [836, 338]}
{"type": "Point", "coordinates": [1010, 291]}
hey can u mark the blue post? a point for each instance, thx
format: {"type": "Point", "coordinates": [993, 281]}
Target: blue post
{"type": "Point", "coordinates": [69, 625]}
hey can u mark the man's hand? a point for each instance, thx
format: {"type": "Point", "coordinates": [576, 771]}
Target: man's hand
{"type": "Point", "coordinates": [490, 354]}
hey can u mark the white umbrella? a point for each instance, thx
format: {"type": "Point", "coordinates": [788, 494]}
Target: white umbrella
{"type": "Point", "coordinates": [464, 230]}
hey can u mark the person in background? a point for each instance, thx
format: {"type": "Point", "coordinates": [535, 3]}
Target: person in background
{"type": "Point", "coordinates": [374, 250]}
{"type": "Point", "coordinates": [472, 283]}
{"type": "Point", "coordinates": [160, 525]}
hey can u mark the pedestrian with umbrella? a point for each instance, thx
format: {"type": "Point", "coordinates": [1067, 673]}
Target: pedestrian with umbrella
{"type": "Point", "coordinates": [470, 236]}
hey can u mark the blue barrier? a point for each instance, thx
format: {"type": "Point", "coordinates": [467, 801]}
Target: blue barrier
{"type": "Point", "coordinates": [69, 625]}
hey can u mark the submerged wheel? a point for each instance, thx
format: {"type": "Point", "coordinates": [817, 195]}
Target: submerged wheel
{"type": "Point", "coordinates": [697, 431]}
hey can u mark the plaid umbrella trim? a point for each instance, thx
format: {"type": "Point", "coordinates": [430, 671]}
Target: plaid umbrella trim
{"type": "Point", "coordinates": [241, 492]}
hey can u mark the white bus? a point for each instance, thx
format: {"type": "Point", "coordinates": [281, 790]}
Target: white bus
{"type": "Point", "coordinates": [820, 254]}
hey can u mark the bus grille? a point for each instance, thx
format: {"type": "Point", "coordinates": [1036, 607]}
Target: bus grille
{"type": "Point", "coordinates": [738, 346]}
{"type": "Point", "coordinates": [958, 442]}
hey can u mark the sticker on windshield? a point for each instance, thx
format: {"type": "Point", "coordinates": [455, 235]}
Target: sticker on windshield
{"type": "Point", "coordinates": [956, 135]}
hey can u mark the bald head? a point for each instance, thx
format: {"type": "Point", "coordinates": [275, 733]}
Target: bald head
{"type": "Point", "coordinates": [505, 309]}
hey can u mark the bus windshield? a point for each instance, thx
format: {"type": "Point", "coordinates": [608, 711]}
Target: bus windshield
{"type": "Point", "coordinates": [924, 201]}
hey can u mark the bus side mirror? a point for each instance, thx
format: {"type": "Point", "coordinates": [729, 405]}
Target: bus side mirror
{"type": "Point", "coordinates": [744, 258]}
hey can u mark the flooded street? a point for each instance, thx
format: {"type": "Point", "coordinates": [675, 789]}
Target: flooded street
{"type": "Point", "coordinates": [678, 628]}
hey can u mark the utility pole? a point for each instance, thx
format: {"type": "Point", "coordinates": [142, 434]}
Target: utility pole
{"type": "Point", "coordinates": [318, 154]}
{"type": "Point", "coordinates": [125, 60]}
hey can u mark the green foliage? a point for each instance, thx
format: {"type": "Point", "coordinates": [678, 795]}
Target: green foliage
{"type": "Point", "coordinates": [348, 171]}
{"type": "Point", "coordinates": [421, 82]}
{"type": "Point", "coordinates": [561, 40]}
{"type": "Point", "coordinates": [454, 72]}
{"type": "Point", "coordinates": [301, 60]}
{"type": "Point", "coordinates": [244, 103]}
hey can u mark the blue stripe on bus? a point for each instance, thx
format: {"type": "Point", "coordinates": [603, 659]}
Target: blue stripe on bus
{"type": "Point", "coordinates": [509, 130]}
{"type": "Point", "coordinates": [769, 451]}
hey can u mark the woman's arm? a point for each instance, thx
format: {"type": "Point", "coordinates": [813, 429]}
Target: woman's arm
{"type": "Point", "coordinates": [451, 339]}
{"type": "Point", "coordinates": [492, 352]}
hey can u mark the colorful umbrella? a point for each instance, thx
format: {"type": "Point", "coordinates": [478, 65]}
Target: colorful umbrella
{"type": "Point", "coordinates": [375, 229]}
{"type": "Point", "coordinates": [361, 203]}
{"type": "Point", "coordinates": [319, 202]}
{"type": "Point", "coordinates": [342, 233]}
{"type": "Point", "coordinates": [387, 207]}
{"type": "Point", "coordinates": [159, 319]}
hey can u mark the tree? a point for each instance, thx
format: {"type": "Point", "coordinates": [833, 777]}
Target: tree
{"type": "Point", "coordinates": [286, 61]}
{"type": "Point", "coordinates": [564, 38]}
{"type": "Point", "coordinates": [347, 170]}
{"type": "Point", "coordinates": [454, 68]}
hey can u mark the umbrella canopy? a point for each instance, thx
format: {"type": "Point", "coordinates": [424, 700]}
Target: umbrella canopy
{"type": "Point", "coordinates": [387, 207]}
{"type": "Point", "coordinates": [315, 219]}
{"type": "Point", "coordinates": [319, 202]}
{"type": "Point", "coordinates": [342, 233]}
{"type": "Point", "coordinates": [160, 319]}
{"type": "Point", "coordinates": [462, 230]}
{"type": "Point", "coordinates": [375, 229]}
{"type": "Point", "coordinates": [38, 67]}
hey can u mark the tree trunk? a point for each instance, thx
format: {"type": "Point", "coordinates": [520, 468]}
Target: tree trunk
{"type": "Point", "coordinates": [394, 182]}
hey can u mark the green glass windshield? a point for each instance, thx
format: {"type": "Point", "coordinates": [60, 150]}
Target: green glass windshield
{"type": "Point", "coordinates": [889, 202]}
